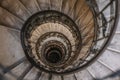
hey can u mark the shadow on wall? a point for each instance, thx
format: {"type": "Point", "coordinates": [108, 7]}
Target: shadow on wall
{"type": "Point", "coordinates": [15, 34]}
{"type": "Point", "coordinates": [113, 75]}
{"type": "Point", "coordinates": [3, 70]}
{"type": "Point", "coordinates": [1, 77]}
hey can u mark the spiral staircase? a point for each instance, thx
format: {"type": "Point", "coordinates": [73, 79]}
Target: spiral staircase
{"type": "Point", "coordinates": [59, 40]}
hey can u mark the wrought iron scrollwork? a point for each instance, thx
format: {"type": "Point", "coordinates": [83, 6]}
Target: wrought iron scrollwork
{"type": "Point", "coordinates": [49, 34]}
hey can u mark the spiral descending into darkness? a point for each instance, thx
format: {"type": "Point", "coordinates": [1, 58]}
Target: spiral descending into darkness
{"type": "Point", "coordinates": [56, 42]}
{"type": "Point", "coordinates": [56, 36]}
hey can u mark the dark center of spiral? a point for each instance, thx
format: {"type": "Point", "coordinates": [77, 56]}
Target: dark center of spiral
{"type": "Point", "coordinates": [54, 55]}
